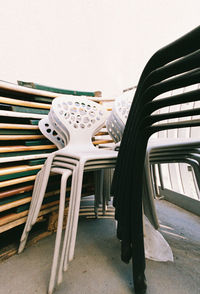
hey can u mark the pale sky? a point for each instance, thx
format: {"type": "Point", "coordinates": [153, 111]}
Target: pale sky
{"type": "Point", "coordinates": [88, 44]}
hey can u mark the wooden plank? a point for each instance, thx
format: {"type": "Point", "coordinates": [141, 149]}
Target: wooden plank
{"type": "Point", "coordinates": [23, 189]}
{"type": "Point", "coordinates": [43, 99]}
{"type": "Point", "coordinates": [15, 198]}
{"type": "Point", "coordinates": [17, 181]}
{"type": "Point", "coordinates": [27, 199]}
{"type": "Point", "coordinates": [18, 126]}
{"type": "Point", "coordinates": [19, 132]}
{"type": "Point", "coordinates": [44, 141]}
{"type": "Point", "coordinates": [36, 161]}
{"type": "Point", "coordinates": [56, 90]}
{"type": "Point", "coordinates": [24, 115]}
{"type": "Point", "coordinates": [22, 109]}
{"type": "Point", "coordinates": [15, 191]}
{"type": "Point", "coordinates": [101, 133]}
{"type": "Point", "coordinates": [16, 203]}
{"type": "Point", "coordinates": [18, 169]}
{"type": "Point", "coordinates": [20, 137]}
{"type": "Point", "coordinates": [97, 142]}
{"type": "Point", "coordinates": [14, 216]}
{"type": "Point", "coordinates": [11, 101]}
{"type": "Point", "coordinates": [24, 157]}
{"type": "Point", "coordinates": [34, 121]}
{"type": "Point", "coordinates": [13, 88]}
{"type": "Point", "coordinates": [18, 175]}
{"type": "Point", "coordinates": [15, 224]}
{"type": "Point", "coordinates": [16, 154]}
{"type": "Point", "coordinates": [25, 148]}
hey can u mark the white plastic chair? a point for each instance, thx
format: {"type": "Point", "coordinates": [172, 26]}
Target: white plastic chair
{"type": "Point", "coordinates": [117, 119]}
{"type": "Point", "coordinates": [49, 128]}
{"type": "Point", "coordinates": [80, 118]}
{"type": "Point", "coordinates": [49, 131]}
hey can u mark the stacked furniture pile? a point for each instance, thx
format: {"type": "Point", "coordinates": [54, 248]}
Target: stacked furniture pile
{"type": "Point", "coordinates": [23, 151]}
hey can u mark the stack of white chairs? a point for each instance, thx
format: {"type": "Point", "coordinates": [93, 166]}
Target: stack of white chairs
{"type": "Point", "coordinates": [117, 119]}
{"type": "Point", "coordinates": [74, 121]}
{"type": "Point", "coordinates": [48, 127]}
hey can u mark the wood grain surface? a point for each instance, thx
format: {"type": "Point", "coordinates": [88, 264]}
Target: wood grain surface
{"type": "Point", "coordinates": [11, 101]}
{"type": "Point", "coordinates": [15, 191]}
{"type": "Point", "coordinates": [25, 148]}
{"type": "Point", "coordinates": [18, 126]}
{"type": "Point", "coordinates": [21, 137]}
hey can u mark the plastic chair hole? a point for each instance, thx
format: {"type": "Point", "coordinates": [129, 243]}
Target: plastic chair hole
{"type": "Point", "coordinates": [48, 130]}
{"type": "Point", "coordinates": [75, 126]}
{"type": "Point", "coordinates": [88, 106]}
{"type": "Point", "coordinates": [67, 115]}
{"type": "Point", "coordinates": [89, 125]}
{"type": "Point", "coordinates": [46, 125]}
{"type": "Point", "coordinates": [78, 118]}
{"type": "Point", "coordinates": [77, 103]}
{"type": "Point", "coordinates": [91, 113]}
{"type": "Point", "coordinates": [82, 126]}
{"type": "Point", "coordinates": [54, 133]}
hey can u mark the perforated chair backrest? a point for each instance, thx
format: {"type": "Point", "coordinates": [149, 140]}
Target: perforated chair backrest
{"type": "Point", "coordinates": [117, 119]}
{"type": "Point", "coordinates": [57, 125]}
{"type": "Point", "coordinates": [80, 117]}
{"type": "Point", "coordinates": [122, 105]}
{"type": "Point", "coordinates": [115, 127]}
{"type": "Point", "coordinates": [50, 133]}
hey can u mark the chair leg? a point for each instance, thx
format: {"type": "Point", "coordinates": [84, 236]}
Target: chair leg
{"type": "Point", "coordinates": [98, 190]}
{"type": "Point", "coordinates": [64, 179]}
{"type": "Point", "coordinates": [36, 202]}
{"type": "Point", "coordinates": [64, 260]}
{"type": "Point", "coordinates": [76, 210]}
{"type": "Point", "coordinates": [106, 188]}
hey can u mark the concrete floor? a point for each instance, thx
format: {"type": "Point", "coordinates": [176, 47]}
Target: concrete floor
{"type": "Point", "coordinates": [97, 268]}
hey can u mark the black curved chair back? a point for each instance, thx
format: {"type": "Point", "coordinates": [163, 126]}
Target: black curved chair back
{"type": "Point", "coordinates": [172, 67]}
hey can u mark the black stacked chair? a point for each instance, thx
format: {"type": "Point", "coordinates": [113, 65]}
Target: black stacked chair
{"type": "Point", "coordinates": [172, 67]}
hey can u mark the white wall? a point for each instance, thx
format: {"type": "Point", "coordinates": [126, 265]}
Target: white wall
{"type": "Point", "coordinates": [88, 44]}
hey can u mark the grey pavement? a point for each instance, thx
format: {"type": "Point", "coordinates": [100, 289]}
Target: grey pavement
{"type": "Point", "coordinates": [97, 268]}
